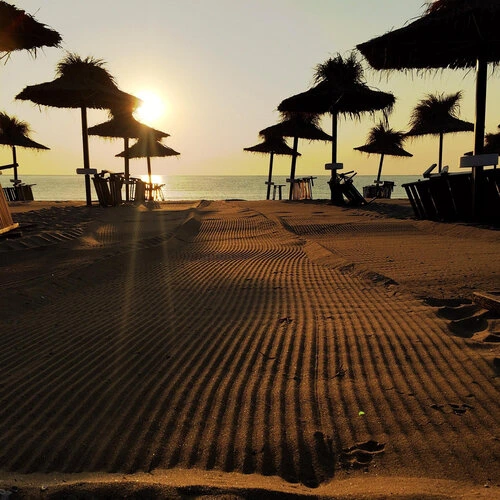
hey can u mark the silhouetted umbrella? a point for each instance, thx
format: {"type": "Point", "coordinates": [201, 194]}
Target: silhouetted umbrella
{"type": "Point", "coordinates": [340, 90]}
{"type": "Point", "coordinates": [384, 141]}
{"type": "Point", "coordinates": [15, 133]}
{"type": "Point", "coordinates": [451, 34]}
{"type": "Point", "coordinates": [437, 115]}
{"type": "Point", "coordinates": [296, 125]}
{"type": "Point", "coordinates": [146, 148]}
{"type": "Point", "coordinates": [274, 146]}
{"type": "Point", "coordinates": [492, 143]}
{"type": "Point", "coordinates": [21, 31]}
{"type": "Point", "coordinates": [81, 83]}
{"type": "Point", "coordinates": [124, 125]}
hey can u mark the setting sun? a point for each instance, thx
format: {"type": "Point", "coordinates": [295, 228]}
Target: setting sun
{"type": "Point", "coordinates": [152, 108]}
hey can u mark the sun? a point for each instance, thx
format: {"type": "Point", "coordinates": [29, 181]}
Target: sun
{"type": "Point", "coordinates": [152, 107]}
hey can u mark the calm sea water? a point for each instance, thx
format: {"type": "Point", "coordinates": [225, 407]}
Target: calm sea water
{"type": "Point", "coordinates": [186, 187]}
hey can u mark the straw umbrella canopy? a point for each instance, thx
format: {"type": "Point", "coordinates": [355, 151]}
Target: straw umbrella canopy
{"type": "Point", "coordinates": [456, 34]}
{"type": "Point", "coordinates": [21, 31]}
{"type": "Point", "coordinates": [296, 125]}
{"type": "Point", "coordinates": [14, 132]}
{"type": "Point", "coordinates": [148, 147]}
{"type": "Point", "coordinates": [273, 146]}
{"type": "Point", "coordinates": [340, 90]}
{"type": "Point", "coordinates": [437, 115]}
{"type": "Point", "coordinates": [124, 125]}
{"type": "Point", "coordinates": [492, 143]}
{"type": "Point", "coordinates": [81, 83]}
{"type": "Point", "coordinates": [383, 140]}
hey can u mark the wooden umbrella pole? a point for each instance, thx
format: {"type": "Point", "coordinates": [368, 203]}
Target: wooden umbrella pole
{"type": "Point", "coordinates": [334, 182]}
{"type": "Point", "coordinates": [294, 163]}
{"type": "Point", "coordinates": [481, 83]}
{"type": "Point", "coordinates": [14, 161]}
{"type": "Point", "coordinates": [127, 171]}
{"type": "Point", "coordinates": [334, 136]}
{"type": "Point", "coordinates": [270, 176]}
{"type": "Point", "coordinates": [379, 173]}
{"type": "Point", "coordinates": [150, 180]}
{"type": "Point", "coordinates": [440, 159]}
{"type": "Point", "coordinates": [380, 168]}
{"type": "Point", "coordinates": [86, 159]}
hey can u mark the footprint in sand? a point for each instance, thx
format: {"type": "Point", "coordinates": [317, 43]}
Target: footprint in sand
{"type": "Point", "coordinates": [360, 455]}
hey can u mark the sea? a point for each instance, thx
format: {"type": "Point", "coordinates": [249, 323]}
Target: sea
{"type": "Point", "coordinates": [197, 187]}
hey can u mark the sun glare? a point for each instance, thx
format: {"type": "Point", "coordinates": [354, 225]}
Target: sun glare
{"type": "Point", "coordinates": [152, 107]}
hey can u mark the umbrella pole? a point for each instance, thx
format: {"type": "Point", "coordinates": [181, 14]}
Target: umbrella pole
{"type": "Point", "coordinates": [270, 176]}
{"type": "Point", "coordinates": [86, 159]}
{"type": "Point", "coordinates": [127, 171]}
{"type": "Point", "coordinates": [379, 173]}
{"type": "Point", "coordinates": [380, 167]}
{"type": "Point", "coordinates": [150, 184]}
{"type": "Point", "coordinates": [481, 82]}
{"type": "Point", "coordinates": [440, 160]}
{"type": "Point", "coordinates": [294, 163]}
{"type": "Point", "coordinates": [14, 161]}
{"type": "Point", "coordinates": [336, 197]}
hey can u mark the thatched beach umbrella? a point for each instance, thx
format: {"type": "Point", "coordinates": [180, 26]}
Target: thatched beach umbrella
{"type": "Point", "coordinates": [492, 143]}
{"type": "Point", "coordinates": [340, 90]}
{"type": "Point", "coordinates": [272, 146]}
{"type": "Point", "coordinates": [124, 125]}
{"type": "Point", "coordinates": [456, 34]}
{"type": "Point", "coordinates": [148, 147]}
{"type": "Point", "coordinates": [296, 125]}
{"type": "Point", "coordinates": [21, 31]}
{"type": "Point", "coordinates": [81, 83]}
{"type": "Point", "coordinates": [384, 141]}
{"type": "Point", "coordinates": [437, 115]}
{"type": "Point", "coordinates": [14, 132]}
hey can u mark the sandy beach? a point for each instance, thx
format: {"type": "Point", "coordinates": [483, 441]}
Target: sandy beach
{"type": "Point", "coordinates": [247, 349]}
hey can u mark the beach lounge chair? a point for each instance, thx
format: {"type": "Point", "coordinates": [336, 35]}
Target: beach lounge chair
{"type": "Point", "coordinates": [102, 190]}
{"type": "Point", "coordinates": [6, 222]}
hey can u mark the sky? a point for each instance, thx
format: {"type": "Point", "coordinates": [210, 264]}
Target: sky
{"type": "Point", "coordinates": [218, 70]}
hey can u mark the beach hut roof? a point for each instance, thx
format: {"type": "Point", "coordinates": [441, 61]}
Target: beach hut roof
{"type": "Point", "coordinates": [21, 31]}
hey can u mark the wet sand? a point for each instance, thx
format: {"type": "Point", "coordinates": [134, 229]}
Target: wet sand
{"type": "Point", "coordinates": [241, 349]}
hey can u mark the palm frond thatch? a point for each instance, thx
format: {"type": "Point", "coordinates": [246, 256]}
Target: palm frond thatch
{"type": "Point", "coordinates": [450, 34]}
{"type": "Point", "coordinates": [146, 148]}
{"type": "Point", "coordinates": [21, 31]}
{"type": "Point", "coordinates": [14, 132]}
{"type": "Point", "coordinates": [275, 145]}
{"type": "Point", "coordinates": [384, 140]}
{"type": "Point", "coordinates": [492, 143]}
{"type": "Point", "coordinates": [80, 83]}
{"type": "Point", "coordinates": [300, 125]}
{"type": "Point", "coordinates": [340, 88]}
{"type": "Point", "coordinates": [438, 114]}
